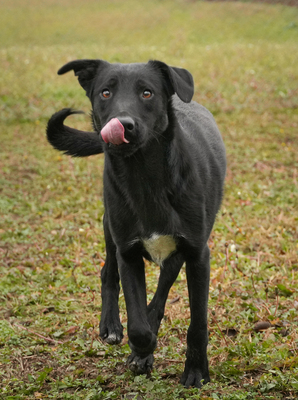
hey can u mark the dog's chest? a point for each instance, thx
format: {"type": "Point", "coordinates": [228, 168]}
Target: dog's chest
{"type": "Point", "coordinates": [160, 247]}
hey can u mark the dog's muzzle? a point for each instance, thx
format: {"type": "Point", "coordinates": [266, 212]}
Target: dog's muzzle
{"type": "Point", "coordinates": [114, 131]}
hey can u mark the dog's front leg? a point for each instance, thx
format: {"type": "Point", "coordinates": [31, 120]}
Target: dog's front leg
{"type": "Point", "coordinates": [168, 274]}
{"type": "Point", "coordinates": [142, 340]}
{"type": "Point", "coordinates": [196, 370]}
{"type": "Point", "coordinates": [111, 329]}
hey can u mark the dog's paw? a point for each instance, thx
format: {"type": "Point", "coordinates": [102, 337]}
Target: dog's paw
{"type": "Point", "coordinates": [112, 335]}
{"type": "Point", "coordinates": [139, 365]}
{"type": "Point", "coordinates": [113, 338]}
{"type": "Point", "coordinates": [194, 377]}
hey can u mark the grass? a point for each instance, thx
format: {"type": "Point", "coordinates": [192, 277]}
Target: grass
{"type": "Point", "coordinates": [244, 60]}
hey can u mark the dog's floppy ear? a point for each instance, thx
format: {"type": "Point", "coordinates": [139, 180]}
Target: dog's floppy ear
{"type": "Point", "coordinates": [85, 70]}
{"type": "Point", "coordinates": [179, 80]}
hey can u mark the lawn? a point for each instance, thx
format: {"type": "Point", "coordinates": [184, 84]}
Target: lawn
{"type": "Point", "coordinates": [244, 58]}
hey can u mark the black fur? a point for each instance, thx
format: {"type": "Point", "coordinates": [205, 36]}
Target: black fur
{"type": "Point", "coordinates": [72, 141]}
{"type": "Point", "coordinates": [168, 181]}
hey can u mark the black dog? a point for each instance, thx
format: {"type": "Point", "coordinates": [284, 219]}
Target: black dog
{"type": "Point", "coordinates": [163, 183]}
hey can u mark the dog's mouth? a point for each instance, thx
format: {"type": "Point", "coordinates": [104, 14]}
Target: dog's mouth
{"type": "Point", "coordinates": [114, 132]}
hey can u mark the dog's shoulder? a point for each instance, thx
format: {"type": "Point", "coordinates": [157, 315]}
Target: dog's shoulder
{"type": "Point", "coordinates": [191, 111]}
{"type": "Point", "coordinates": [200, 135]}
{"type": "Point", "coordinates": [196, 121]}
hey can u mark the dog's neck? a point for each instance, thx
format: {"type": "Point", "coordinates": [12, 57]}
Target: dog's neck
{"type": "Point", "coordinates": [144, 170]}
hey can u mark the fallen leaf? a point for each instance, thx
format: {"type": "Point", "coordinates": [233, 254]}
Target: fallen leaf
{"type": "Point", "coordinates": [262, 326]}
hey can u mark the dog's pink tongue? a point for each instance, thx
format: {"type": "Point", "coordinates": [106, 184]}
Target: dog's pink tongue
{"type": "Point", "coordinates": [113, 132]}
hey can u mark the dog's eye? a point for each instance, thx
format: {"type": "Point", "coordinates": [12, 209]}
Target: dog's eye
{"type": "Point", "coordinates": [147, 94]}
{"type": "Point", "coordinates": [106, 93]}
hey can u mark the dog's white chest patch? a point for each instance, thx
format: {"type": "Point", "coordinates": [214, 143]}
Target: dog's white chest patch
{"type": "Point", "coordinates": [159, 247]}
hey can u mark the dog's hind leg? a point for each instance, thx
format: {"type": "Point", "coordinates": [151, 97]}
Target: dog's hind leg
{"type": "Point", "coordinates": [142, 340]}
{"type": "Point", "coordinates": [168, 274]}
{"type": "Point", "coordinates": [196, 366]}
{"type": "Point", "coordinates": [111, 329]}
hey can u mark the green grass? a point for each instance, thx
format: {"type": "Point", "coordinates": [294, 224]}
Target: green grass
{"type": "Point", "coordinates": [243, 57]}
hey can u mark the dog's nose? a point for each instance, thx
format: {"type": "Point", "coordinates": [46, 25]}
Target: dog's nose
{"type": "Point", "coordinates": [128, 123]}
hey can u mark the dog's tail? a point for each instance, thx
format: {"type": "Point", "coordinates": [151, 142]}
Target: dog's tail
{"type": "Point", "coordinates": [72, 142]}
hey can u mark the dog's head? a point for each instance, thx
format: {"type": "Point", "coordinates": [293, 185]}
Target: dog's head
{"type": "Point", "coordinates": [130, 101]}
